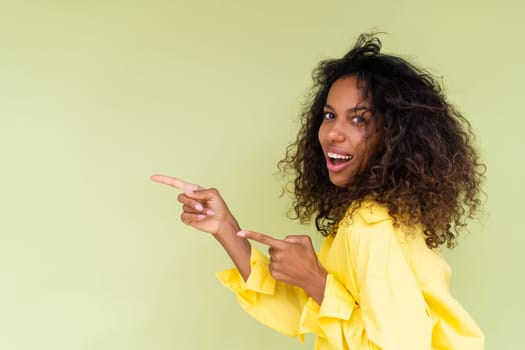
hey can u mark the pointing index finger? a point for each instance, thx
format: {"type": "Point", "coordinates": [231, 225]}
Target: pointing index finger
{"type": "Point", "coordinates": [261, 238]}
{"type": "Point", "coordinates": [177, 183]}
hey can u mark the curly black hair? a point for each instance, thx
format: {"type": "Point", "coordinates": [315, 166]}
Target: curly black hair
{"type": "Point", "coordinates": [425, 171]}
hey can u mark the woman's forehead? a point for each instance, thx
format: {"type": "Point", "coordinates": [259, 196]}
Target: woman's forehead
{"type": "Point", "coordinates": [349, 91]}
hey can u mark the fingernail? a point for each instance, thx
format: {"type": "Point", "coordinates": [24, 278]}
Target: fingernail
{"type": "Point", "coordinates": [210, 212]}
{"type": "Point", "coordinates": [241, 234]}
{"type": "Point", "coordinates": [199, 206]}
{"type": "Point", "coordinates": [200, 216]}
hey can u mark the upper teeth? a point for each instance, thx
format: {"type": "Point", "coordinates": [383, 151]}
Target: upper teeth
{"type": "Point", "coordinates": [338, 156]}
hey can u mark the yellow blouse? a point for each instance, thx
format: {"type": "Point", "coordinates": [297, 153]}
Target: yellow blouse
{"type": "Point", "coordinates": [385, 290]}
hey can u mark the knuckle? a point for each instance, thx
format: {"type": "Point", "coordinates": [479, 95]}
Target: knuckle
{"type": "Point", "coordinates": [305, 238]}
{"type": "Point", "coordinates": [187, 209]}
{"type": "Point", "coordinates": [277, 276]}
{"type": "Point", "coordinates": [273, 272]}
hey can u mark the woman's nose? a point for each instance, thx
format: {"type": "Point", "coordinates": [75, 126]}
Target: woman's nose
{"type": "Point", "coordinates": [336, 132]}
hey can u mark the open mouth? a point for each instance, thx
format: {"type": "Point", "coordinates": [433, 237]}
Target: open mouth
{"type": "Point", "coordinates": [338, 159]}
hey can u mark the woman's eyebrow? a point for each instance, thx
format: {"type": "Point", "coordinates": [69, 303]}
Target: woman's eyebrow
{"type": "Point", "coordinates": [353, 109]}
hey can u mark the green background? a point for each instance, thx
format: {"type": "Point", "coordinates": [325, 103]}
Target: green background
{"type": "Point", "coordinates": [97, 95]}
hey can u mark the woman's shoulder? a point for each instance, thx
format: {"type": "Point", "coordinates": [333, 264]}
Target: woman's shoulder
{"type": "Point", "coordinates": [372, 219]}
{"type": "Point", "coordinates": [370, 225]}
{"type": "Point", "coordinates": [364, 219]}
{"type": "Point", "coordinates": [370, 211]}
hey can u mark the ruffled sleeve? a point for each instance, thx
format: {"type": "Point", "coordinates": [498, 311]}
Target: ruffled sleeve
{"type": "Point", "coordinates": [326, 320]}
{"type": "Point", "coordinates": [275, 304]}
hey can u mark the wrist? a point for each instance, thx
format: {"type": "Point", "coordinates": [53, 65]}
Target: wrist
{"type": "Point", "coordinates": [317, 284]}
{"type": "Point", "coordinates": [228, 229]}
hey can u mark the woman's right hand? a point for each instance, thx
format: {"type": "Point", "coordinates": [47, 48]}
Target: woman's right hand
{"type": "Point", "coordinates": [203, 209]}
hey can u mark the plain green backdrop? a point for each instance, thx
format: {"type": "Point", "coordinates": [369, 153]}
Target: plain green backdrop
{"type": "Point", "coordinates": [95, 96]}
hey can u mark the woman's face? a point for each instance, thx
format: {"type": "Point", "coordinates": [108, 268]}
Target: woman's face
{"type": "Point", "coordinates": [347, 134]}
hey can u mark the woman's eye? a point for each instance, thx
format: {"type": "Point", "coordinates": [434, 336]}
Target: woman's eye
{"type": "Point", "coordinates": [358, 120]}
{"type": "Point", "coordinates": [328, 115]}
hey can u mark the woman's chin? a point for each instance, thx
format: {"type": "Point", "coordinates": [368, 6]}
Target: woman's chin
{"type": "Point", "coordinates": [340, 181]}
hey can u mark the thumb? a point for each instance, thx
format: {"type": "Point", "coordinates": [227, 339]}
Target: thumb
{"type": "Point", "coordinates": [301, 239]}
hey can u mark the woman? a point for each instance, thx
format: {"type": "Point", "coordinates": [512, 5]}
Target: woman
{"type": "Point", "coordinates": [386, 166]}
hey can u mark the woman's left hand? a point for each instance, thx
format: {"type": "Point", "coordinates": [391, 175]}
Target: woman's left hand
{"type": "Point", "coordinates": [293, 261]}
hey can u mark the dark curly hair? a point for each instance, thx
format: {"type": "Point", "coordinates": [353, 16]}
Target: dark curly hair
{"type": "Point", "coordinates": [425, 170]}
